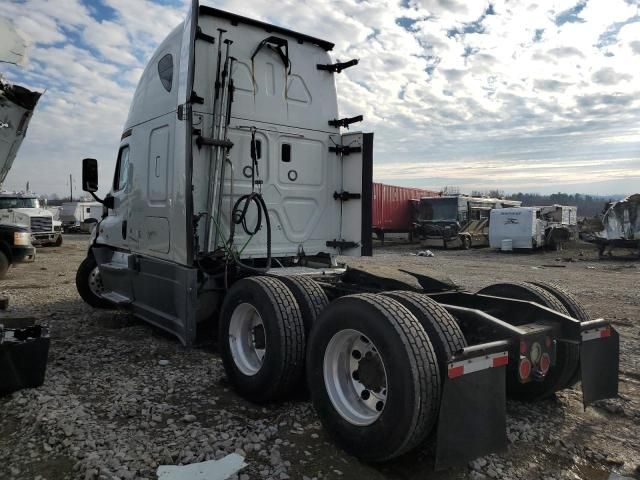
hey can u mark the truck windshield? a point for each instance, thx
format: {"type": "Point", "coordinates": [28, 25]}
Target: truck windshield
{"type": "Point", "coordinates": [17, 202]}
{"type": "Point", "coordinates": [439, 209]}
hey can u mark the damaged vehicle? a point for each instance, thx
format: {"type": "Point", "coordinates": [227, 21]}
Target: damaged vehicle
{"type": "Point", "coordinates": [234, 192]}
{"type": "Point", "coordinates": [621, 226]}
{"type": "Point", "coordinates": [16, 108]}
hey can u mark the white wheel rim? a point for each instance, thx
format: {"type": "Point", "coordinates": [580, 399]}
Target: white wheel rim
{"type": "Point", "coordinates": [355, 377]}
{"type": "Point", "coordinates": [95, 282]}
{"type": "Point", "coordinates": [247, 339]}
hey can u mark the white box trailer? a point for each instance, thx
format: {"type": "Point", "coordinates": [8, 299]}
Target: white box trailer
{"type": "Point", "coordinates": [74, 215]}
{"type": "Point", "coordinates": [532, 227]}
{"type": "Point", "coordinates": [519, 227]}
{"type": "Point", "coordinates": [233, 193]}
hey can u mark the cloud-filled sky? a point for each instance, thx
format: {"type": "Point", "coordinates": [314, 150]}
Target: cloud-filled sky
{"type": "Point", "coordinates": [518, 95]}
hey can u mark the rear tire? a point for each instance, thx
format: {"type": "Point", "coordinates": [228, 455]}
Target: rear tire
{"type": "Point", "coordinates": [310, 297]}
{"type": "Point", "coordinates": [575, 309]}
{"type": "Point", "coordinates": [89, 283]}
{"type": "Point", "coordinates": [262, 339]}
{"type": "Point", "coordinates": [567, 355]}
{"type": "Point", "coordinates": [442, 329]}
{"type": "Point", "coordinates": [4, 265]}
{"type": "Point", "coordinates": [397, 351]}
{"type": "Point", "coordinates": [570, 303]}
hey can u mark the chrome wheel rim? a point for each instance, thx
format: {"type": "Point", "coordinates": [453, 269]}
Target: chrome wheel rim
{"type": "Point", "coordinates": [355, 377]}
{"type": "Point", "coordinates": [247, 339]}
{"type": "Point", "coordinates": [95, 282]}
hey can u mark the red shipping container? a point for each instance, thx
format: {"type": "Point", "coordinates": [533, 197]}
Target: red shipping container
{"type": "Point", "coordinates": [392, 210]}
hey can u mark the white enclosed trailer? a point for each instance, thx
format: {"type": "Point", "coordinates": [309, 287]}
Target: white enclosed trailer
{"type": "Point", "coordinates": [519, 227]}
{"type": "Point", "coordinates": [234, 192]}
{"type": "Point", "coordinates": [74, 214]}
{"type": "Point", "coordinates": [532, 227]}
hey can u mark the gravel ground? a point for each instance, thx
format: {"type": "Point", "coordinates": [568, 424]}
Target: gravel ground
{"type": "Point", "coordinates": [122, 397]}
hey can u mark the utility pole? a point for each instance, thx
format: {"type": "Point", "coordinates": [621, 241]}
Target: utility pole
{"type": "Point", "coordinates": [71, 188]}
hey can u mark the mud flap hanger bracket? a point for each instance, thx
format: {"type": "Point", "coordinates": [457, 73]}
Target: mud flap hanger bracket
{"type": "Point", "coordinates": [276, 44]}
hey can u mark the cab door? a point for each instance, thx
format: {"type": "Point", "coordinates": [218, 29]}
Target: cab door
{"type": "Point", "coordinates": [355, 196]}
{"type": "Point", "coordinates": [114, 228]}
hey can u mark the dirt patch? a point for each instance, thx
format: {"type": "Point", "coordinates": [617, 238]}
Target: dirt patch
{"type": "Point", "coordinates": [109, 408]}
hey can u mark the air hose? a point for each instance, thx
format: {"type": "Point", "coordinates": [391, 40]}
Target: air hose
{"type": "Point", "coordinates": [240, 208]}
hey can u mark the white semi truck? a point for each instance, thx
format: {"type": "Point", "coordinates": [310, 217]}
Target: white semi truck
{"type": "Point", "coordinates": [234, 191]}
{"type": "Point", "coordinates": [24, 209]}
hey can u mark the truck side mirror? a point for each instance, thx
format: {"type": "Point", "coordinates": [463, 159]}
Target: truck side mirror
{"type": "Point", "coordinates": [90, 175]}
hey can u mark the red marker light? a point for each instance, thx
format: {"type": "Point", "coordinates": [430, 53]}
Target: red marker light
{"type": "Point", "coordinates": [547, 341]}
{"type": "Point", "coordinates": [523, 347]}
{"type": "Point", "coordinates": [605, 332]}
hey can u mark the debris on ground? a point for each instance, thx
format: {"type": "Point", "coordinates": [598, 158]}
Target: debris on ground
{"type": "Point", "coordinates": [210, 470]}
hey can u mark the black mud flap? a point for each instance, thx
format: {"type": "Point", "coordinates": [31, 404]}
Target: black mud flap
{"type": "Point", "coordinates": [473, 418]}
{"type": "Point", "coordinates": [599, 361]}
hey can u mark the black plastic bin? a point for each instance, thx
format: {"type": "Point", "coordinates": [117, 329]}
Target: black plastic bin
{"type": "Point", "coordinates": [24, 347]}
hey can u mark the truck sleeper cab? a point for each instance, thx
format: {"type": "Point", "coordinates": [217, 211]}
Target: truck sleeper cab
{"type": "Point", "coordinates": [233, 193]}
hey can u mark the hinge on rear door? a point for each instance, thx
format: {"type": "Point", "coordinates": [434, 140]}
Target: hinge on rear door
{"type": "Point", "coordinates": [341, 244]}
{"type": "Point", "coordinates": [344, 196]}
{"type": "Point", "coordinates": [345, 122]}
{"type": "Point", "coordinates": [338, 66]}
{"type": "Point", "coordinates": [195, 98]}
{"type": "Point", "coordinates": [344, 149]}
{"type": "Point", "coordinates": [212, 142]}
{"type": "Point", "coordinates": [203, 36]}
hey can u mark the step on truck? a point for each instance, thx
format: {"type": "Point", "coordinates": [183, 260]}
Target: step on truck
{"type": "Point", "coordinates": [236, 187]}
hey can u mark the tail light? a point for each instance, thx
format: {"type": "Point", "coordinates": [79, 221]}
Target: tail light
{"type": "Point", "coordinates": [545, 363]}
{"type": "Point", "coordinates": [524, 369]}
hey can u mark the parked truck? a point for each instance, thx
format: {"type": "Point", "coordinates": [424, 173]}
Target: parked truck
{"type": "Point", "coordinates": [24, 209]}
{"type": "Point", "coordinates": [394, 207]}
{"type": "Point", "coordinates": [452, 221]}
{"type": "Point", "coordinates": [533, 227]}
{"type": "Point", "coordinates": [235, 190]}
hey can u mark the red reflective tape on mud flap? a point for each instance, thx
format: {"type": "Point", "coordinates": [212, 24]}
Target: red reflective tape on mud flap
{"type": "Point", "coordinates": [596, 333]}
{"type": "Point", "coordinates": [457, 369]}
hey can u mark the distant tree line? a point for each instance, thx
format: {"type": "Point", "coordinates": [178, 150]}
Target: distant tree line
{"type": "Point", "coordinates": [588, 205]}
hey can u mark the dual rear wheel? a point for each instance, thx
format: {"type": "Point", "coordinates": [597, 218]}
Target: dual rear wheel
{"type": "Point", "coordinates": [374, 363]}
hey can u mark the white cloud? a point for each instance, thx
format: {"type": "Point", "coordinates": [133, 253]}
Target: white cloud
{"type": "Point", "coordinates": [457, 92]}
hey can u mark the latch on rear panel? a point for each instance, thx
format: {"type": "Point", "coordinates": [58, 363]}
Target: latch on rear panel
{"type": "Point", "coordinates": [341, 244]}
{"type": "Point", "coordinates": [344, 149]}
{"type": "Point", "coordinates": [345, 122]}
{"type": "Point", "coordinates": [338, 66]}
{"type": "Point", "coordinates": [344, 196]}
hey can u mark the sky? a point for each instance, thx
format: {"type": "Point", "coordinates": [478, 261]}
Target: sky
{"type": "Point", "coordinates": [506, 94]}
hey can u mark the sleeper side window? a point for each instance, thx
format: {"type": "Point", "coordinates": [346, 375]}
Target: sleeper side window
{"type": "Point", "coordinates": [165, 71]}
{"type": "Point", "coordinates": [122, 167]}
